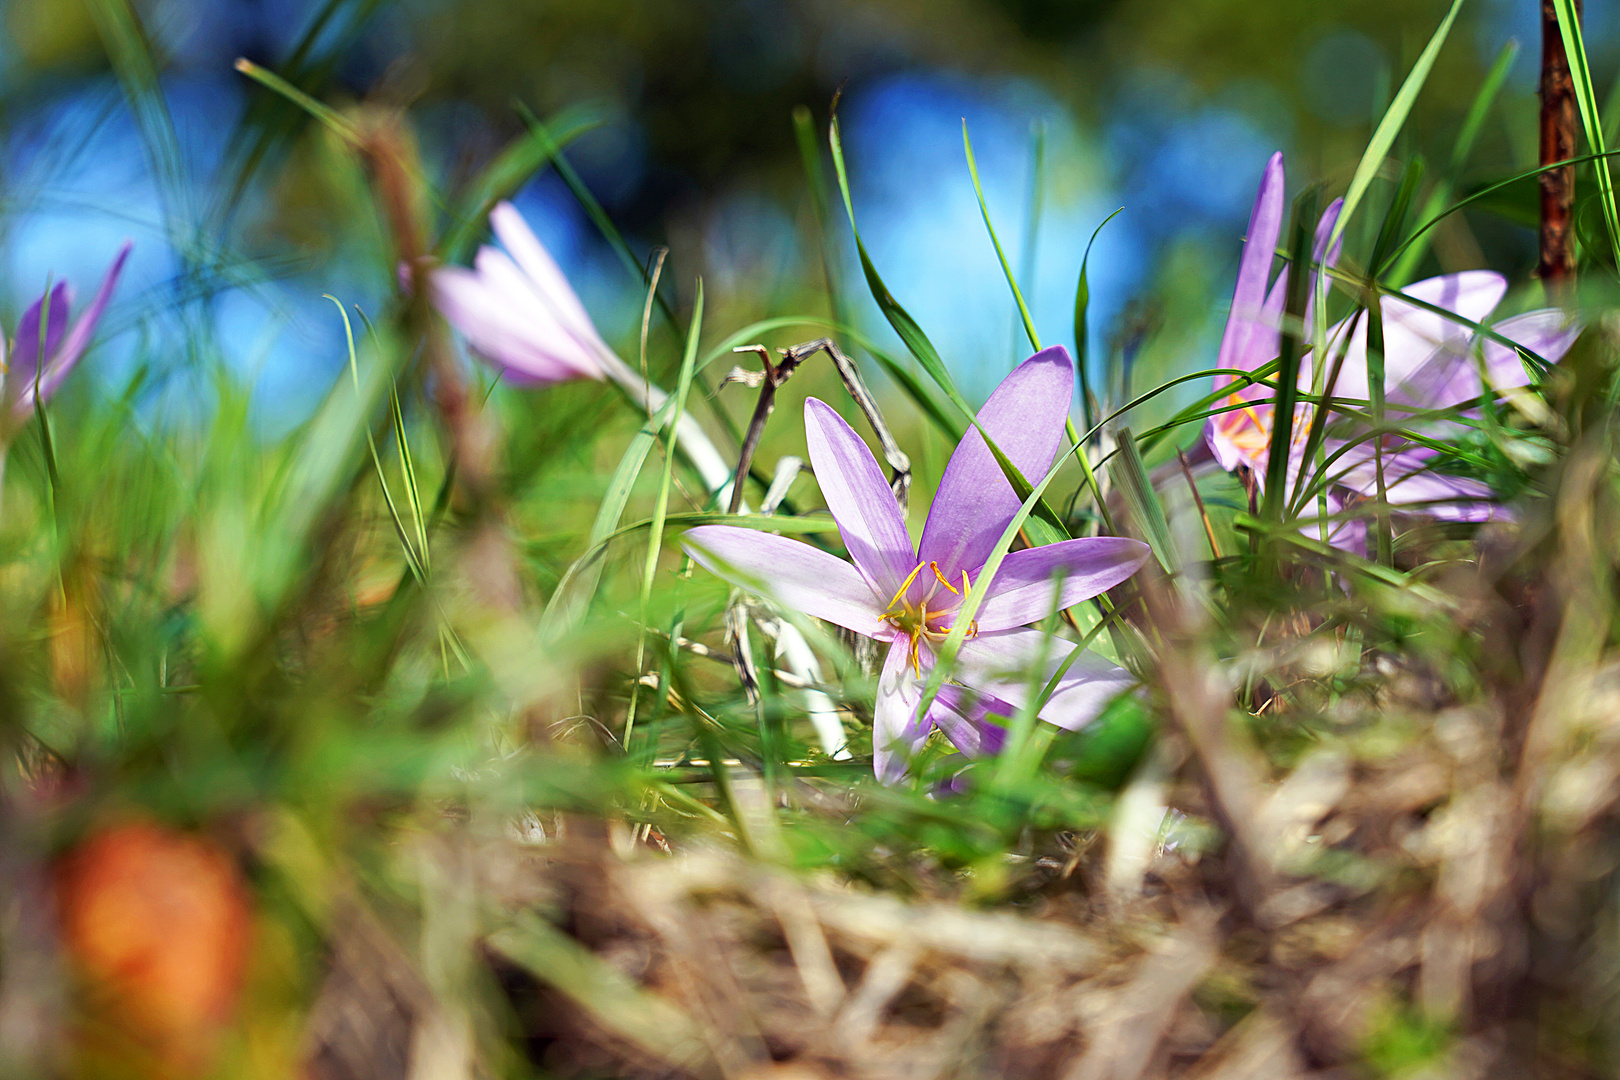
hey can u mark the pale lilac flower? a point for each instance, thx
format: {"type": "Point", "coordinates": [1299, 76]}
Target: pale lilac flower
{"type": "Point", "coordinates": [517, 310]}
{"type": "Point", "coordinates": [25, 373]}
{"type": "Point", "coordinates": [907, 597]}
{"type": "Point", "coordinates": [1429, 363]}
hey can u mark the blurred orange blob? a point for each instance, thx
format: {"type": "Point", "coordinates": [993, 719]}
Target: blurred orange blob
{"type": "Point", "coordinates": [157, 923]}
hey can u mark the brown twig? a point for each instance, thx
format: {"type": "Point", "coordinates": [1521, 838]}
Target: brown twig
{"type": "Point", "coordinates": [1198, 500]}
{"type": "Point", "coordinates": [771, 378]}
{"type": "Point", "coordinates": [1557, 264]}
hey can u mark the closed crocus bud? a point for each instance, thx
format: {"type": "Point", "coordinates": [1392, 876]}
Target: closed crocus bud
{"type": "Point", "coordinates": [42, 355]}
{"type": "Point", "coordinates": [156, 923]}
{"type": "Point", "coordinates": [517, 310]}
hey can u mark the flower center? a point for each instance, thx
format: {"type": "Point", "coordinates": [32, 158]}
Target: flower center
{"type": "Point", "coordinates": [1249, 427]}
{"type": "Point", "coordinates": [929, 617]}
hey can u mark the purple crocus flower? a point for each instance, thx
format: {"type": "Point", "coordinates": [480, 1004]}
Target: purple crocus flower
{"type": "Point", "coordinates": [25, 373]}
{"type": "Point", "coordinates": [518, 311]}
{"type": "Point", "coordinates": [1429, 363]}
{"type": "Point", "coordinates": [907, 596]}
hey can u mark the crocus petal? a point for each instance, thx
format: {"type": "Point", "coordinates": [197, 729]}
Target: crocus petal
{"type": "Point", "coordinates": [1245, 326]}
{"type": "Point", "coordinates": [73, 346]}
{"type": "Point", "coordinates": [860, 500]}
{"type": "Point", "coordinates": [793, 574]}
{"type": "Point", "coordinates": [493, 329]}
{"type": "Point", "coordinates": [1277, 299]}
{"type": "Point", "coordinates": [25, 357]}
{"type": "Point", "coordinates": [1410, 481]}
{"type": "Point", "coordinates": [1426, 355]}
{"type": "Point", "coordinates": [896, 729]}
{"type": "Point", "coordinates": [550, 283]}
{"type": "Point", "coordinates": [998, 664]}
{"type": "Point", "coordinates": [964, 716]}
{"type": "Point", "coordinates": [1031, 584]}
{"type": "Point", "coordinates": [975, 502]}
{"type": "Point", "coordinates": [1548, 333]}
{"type": "Point", "coordinates": [533, 314]}
{"type": "Point", "coordinates": [1228, 455]}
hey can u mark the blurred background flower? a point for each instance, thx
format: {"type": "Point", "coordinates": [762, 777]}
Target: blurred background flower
{"type": "Point", "coordinates": [1167, 108]}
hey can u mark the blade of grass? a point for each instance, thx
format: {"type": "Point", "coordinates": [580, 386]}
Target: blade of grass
{"type": "Point", "coordinates": [1569, 25]}
{"type": "Point", "coordinates": [910, 333]}
{"type": "Point", "coordinates": [1293, 345]}
{"type": "Point", "coordinates": [325, 114]}
{"type": "Point", "coordinates": [502, 178]}
{"type": "Point", "coordinates": [1034, 204]}
{"type": "Point", "coordinates": [683, 386]}
{"type": "Point", "coordinates": [1411, 255]}
{"type": "Point", "coordinates": [1383, 136]}
{"type": "Point", "coordinates": [1001, 256]}
{"type": "Point", "coordinates": [1082, 347]}
{"type": "Point", "coordinates": [1491, 189]}
{"type": "Point", "coordinates": [804, 133]}
{"type": "Point", "coordinates": [405, 540]}
{"type": "Point", "coordinates": [1131, 479]}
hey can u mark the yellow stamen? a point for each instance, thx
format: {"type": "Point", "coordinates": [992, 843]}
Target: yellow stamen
{"type": "Point", "coordinates": [895, 600]}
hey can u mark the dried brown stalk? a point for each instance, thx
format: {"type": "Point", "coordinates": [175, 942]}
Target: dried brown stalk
{"type": "Point", "coordinates": [1558, 119]}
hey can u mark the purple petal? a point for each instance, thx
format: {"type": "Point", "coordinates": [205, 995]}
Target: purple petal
{"type": "Point", "coordinates": [1426, 355]}
{"type": "Point", "coordinates": [975, 502]}
{"type": "Point", "coordinates": [535, 316]}
{"type": "Point", "coordinates": [1029, 582]}
{"type": "Point", "coordinates": [495, 329]}
{"type": "Point", "coordinates": [62, 360]}
{"type": "Point", "coordinates": [964, 716]}
{"type": "Point", "coordinates": [1345, 533]}
{"type": "Point", "coordinates": [1410, 481]}
{"type": "Point", "coordinates": [860, 500]}
{"type": "Point", "coordinates": [795, 575]}
{"type": "Point", "coordinates": [1548, 333]}
{"type": "Point", "coordinates": [1324, 229]}
{"type": "Point", "coordinates": [1246, 326]}
{"type": "Point", "coordinates": [998, 664]}
{"type": "Point", "coordinates": [896, 730]}
{"type": "Point", "coordinates": [25, 355]}
{"type": "Point", "coordinates": [541, 269]}
{"type": "Point", "coordinates": [1228, 455]}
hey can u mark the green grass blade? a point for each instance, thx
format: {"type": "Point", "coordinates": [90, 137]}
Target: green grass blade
{"type": "Point", "coordinates": [405, 540]}
{"type": "Point", "coordinates": [324, 113]}
{"type": "Point", "coordinates": [1412, 254]}
{"type": "Point", "coordinates": [502, 178]}
{"type": "Point", "coordinates": [1421, 232]}
{"type": "Point", "coordinates": [1293, 347]}
{"type": "Point", "coordinates": [1006, 267]}
{"type": "Point", "coordinates": [1034, 206]}
{"type": "Point", "coordinates": [1131, 478]}
{"type": "Point", "coordinates": [915, 340]}
{"type": "Point", "coordinates": [1383, 136]}
{"type": "Point", "coordinates": [804, 133]}
{"type": "Point", "coordinates": [130, 50]}
{"type": "Point", "coordinates": [683, 387]}
{"type": "Point", "coordinates": [1569, 26]}
{"type": "Point", "coordinates": [1082, 303]}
